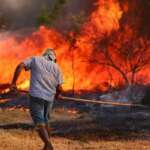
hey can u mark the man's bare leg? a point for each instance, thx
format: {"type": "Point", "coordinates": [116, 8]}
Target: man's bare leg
{"type": "Point", "coordinates": [49, 130]}
{"type": "Point", "coordinates": [43, 133]}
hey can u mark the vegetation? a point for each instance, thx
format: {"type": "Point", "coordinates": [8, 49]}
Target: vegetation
{"type": "Point", "coordinates": [48, 16]}
{"type": "Point", "coordinates": [77, 22]}
{"type": "Point", "coordinates": [127, 50]}
{"type": "Point", "coordinates": [128, 57]}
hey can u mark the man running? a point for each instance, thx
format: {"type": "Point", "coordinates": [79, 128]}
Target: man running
{"type": "Point", "coordinates": [45, 84]}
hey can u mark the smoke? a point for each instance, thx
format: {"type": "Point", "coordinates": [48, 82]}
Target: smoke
{"type": "Point", "coordinates": [16, 14]}
{"type": "Point", "coordinates": [21, 13]}
{"type": "Point", "coordinates": [16, 5]}
{"type": "Point", "coordinates": [73, 12]}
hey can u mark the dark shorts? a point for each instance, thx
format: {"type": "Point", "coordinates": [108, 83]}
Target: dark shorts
{"type": "Point", "coordinates": [40, 110]}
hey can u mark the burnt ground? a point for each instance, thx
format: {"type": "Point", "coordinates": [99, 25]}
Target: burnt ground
{"type": "Point", "coordinates": [73, 118]}
{"type": "Point", "coordinates": [75, 126]}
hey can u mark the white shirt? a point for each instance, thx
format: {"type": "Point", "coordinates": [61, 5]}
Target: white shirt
{"type": "Point", "coordinates": [45, 76]}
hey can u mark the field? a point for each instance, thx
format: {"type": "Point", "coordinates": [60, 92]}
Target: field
{"type": "Point", "coordinates": [71, 131]}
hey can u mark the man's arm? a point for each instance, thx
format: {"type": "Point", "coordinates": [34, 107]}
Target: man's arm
{"type": "Point", "coordinates": [17, 72]}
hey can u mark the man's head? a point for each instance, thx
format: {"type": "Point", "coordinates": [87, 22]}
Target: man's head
{"type": "Point", "coordinates": [50, 54]}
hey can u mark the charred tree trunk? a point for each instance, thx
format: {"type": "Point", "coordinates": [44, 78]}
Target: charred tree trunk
{"type": "Point", "coordinates": [124, 76]}
{"type": "Point", "coordinates": [133, 78]}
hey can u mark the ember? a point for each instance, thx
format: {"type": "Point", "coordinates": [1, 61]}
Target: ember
{"type": "Point", "coordinates": [20, 108]}
{"type": "Point", "coordinates": [73, 112]}
{"type": "Point", "coordinates": [3, 101]}
{"type": "Point", "coordinates": [100, 48]}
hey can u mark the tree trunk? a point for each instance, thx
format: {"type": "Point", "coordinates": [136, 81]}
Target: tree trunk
{"type": "Point", "coordinates": [124, 76]}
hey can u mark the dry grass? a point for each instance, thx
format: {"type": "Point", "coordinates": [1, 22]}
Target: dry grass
{"type": "Point", "coordinates": [28, 140]}
{"type": "Point", "coordinates": [19, 139]}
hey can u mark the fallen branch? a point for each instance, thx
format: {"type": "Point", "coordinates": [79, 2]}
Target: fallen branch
{"type": "Point", "coordinates": [79, 100]}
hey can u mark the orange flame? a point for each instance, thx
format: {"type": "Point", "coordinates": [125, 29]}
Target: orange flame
{"type": "Point", "coordinates": [84, 75]}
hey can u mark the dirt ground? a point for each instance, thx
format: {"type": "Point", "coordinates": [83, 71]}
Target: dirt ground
{"type": "Point", "coordinates": [70, 132]}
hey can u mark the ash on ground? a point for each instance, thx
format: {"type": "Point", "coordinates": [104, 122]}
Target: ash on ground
{"type": "Point", "coordinates": [72, 117]}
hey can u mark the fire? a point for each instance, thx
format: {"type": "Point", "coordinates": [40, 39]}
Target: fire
{"type": "Point", "coordinates": [24, 85]}
{"type": "Point", "coordinates": [72, 112]}
{"type": "Point", "coordinates": [3, 101]}
{"type": "Point", "coordinates": [20, 108]}
{"type": "Point", "coordinates": [77, 69]}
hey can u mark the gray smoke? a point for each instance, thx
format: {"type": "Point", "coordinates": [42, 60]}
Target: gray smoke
{"type": "Point", "coordinates": [78, 9]}
{"type": "Point", "coordinates": [21, 13]}
{"type": "Point", "coordinates": [16, 14]}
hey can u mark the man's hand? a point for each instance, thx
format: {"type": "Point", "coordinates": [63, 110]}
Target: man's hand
{"type": "Point", "coordinates": [58, 96]}
{"type": "Point", "coordinates": [16, 75]}
{"type": "Point", "coordinates": [58, 92]}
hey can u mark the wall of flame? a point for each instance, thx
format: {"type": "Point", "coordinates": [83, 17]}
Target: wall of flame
{"type": "Point", "coordinates": [102, 22]}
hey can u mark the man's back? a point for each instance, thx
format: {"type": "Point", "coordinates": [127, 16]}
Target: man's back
{"type": "Point", "coordinates": [45, 76]}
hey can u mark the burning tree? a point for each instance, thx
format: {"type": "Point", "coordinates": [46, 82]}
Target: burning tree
{"type": "Point", "coordinates": [124, 52]}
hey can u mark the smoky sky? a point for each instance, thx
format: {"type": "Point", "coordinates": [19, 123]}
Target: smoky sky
{"type": "Point", "coordinates": [24, 13]}
{"type": "Point", "coordinates": [20, 13]}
